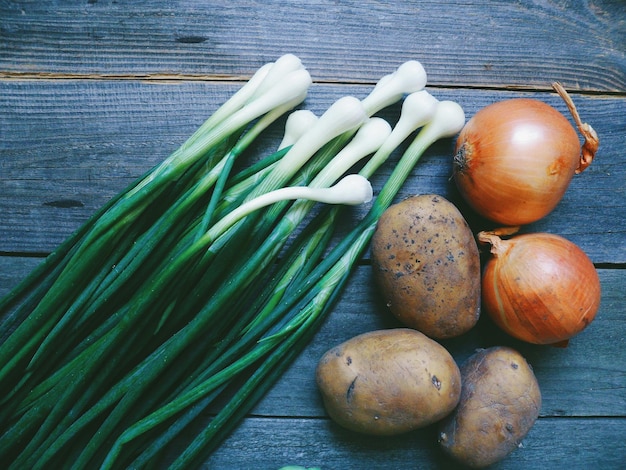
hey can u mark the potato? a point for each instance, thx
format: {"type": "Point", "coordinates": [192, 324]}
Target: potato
{"type": "Point", "coordinates": [388, 382]}
{"type": "Point", "coordinates": [500, 402]}
{"type": "Point", "coordinates": [425, 260]}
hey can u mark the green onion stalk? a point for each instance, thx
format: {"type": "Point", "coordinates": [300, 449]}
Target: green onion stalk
{"type": "Point", "coordinates": [92, 242]}
{"type": "Point", "coordinates": [312, 301]}
{"type": "Point", "coordinates": [327, 126]}
{"type": "Point", "coordinates": [127, 383]}
{"type": "Point", "coordinates": [129, 390]}
{"type": "Point", "coordinates": [306, 305]}
{"type": "Point", "coordinates": [42, 305]}
{"type": "Point", "coordinates": [39, 280]}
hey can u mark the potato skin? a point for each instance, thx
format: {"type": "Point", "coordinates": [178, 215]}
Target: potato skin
{"type": "Point", "coordinates": [500, 402]}
{"type": "Point", "coordinates": [388, 382]}
{"type": "Point", "coordinates": [426, 262]}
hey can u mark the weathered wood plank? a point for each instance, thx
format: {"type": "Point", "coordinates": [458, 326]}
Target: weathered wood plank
{"type": "Point", "coordinates": [67, 146]}
{"type": "Point", "coordinates": [512, 44]}
{"type": "Point", "coordinates": [586, 379]}
{"type": "Point", "coordinates": [13, 270]}
{"type": "Point", "coordinates": [268, 444]}
{"type": "Point", "coordinates": [77, 124]}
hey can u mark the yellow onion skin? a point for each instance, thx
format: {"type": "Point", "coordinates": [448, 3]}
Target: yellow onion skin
{"type": "Point", "coordinates": [540, 288]}
{"type": "Point", "coordinates": [514, 160]}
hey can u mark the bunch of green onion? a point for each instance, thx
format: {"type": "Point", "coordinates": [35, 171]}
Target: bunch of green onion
{"type": "Point", "coordinates": [196, 287]}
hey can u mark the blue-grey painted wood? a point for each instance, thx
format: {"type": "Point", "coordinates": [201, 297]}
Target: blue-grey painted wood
{"type": "Point", "coordinates": [524, 44]}
{"type": "Point", "coordinates": [93, 93]}
{"type": "Point", "coordinates": [70, 145]}
{"type": "Point", "coordinates": [584, 444]}
{"type": "Point", "coordinates": [583, 390]}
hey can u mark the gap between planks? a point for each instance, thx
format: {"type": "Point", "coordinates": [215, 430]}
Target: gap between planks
{"type": "Point", "coordinates": [180, 77]}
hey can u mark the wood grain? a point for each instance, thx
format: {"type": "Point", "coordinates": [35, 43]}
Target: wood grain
{"type": "Point", "coordinates": [93, 93]}
{"type": "Point", "coordinates": [583, 382]}
{"type": "Point", "coordinates": [586, 379]}
{"type": "Point", "coordinates": [547, 445]}
{"type": "Point", "coordinates": [70, 145]}
{"type": "Point", "coordinates": [523, 44]}
{"type": "Point", "coordinates": [589, 369]}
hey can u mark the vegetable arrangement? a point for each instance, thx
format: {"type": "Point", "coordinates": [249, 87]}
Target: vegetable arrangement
{"type": "Point", "coordinates": [512, 164]}
{"type": "Point", "coordinates": [195, 287]}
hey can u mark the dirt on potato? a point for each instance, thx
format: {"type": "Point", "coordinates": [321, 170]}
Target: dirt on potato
{"type": "Point", "coordinates": [426, 262]}
{"type": "Point", "coordinates": [500, 402]}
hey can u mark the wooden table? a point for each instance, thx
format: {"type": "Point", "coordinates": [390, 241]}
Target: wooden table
{"type": "Point", "coordinates": [93, 93]}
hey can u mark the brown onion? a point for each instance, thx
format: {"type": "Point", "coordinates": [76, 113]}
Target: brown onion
{"type": "Point", "coordinates": [514, 159]}
{"type": "Point", "coordinates": [539, 287]}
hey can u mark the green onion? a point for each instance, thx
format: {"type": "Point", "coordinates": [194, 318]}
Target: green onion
{"type": "Point", "coordinates": [197, 277]}
{"type": "Point", "coordinates": [124, 214]}
{"type": "Point", "coordinates": [111, 224]}
{"type": "Point", "coordinates": [446, 122]}
{"type": "Point", "coordinates": [332, 273]}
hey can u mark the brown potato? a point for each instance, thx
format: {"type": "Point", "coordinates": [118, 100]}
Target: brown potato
{"type": "Point", "coordinates": [500, 402]}
{"type": "Point", "coordinates": [426, 262]}
{"type": "Point", "coordinates": [388, 382]}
